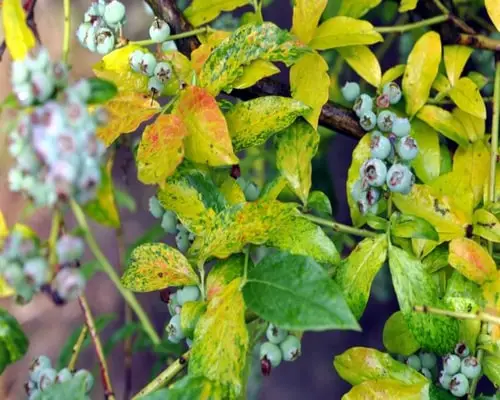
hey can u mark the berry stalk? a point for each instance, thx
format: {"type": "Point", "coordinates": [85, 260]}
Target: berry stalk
{"type": "Point", "coordinates": [75, 352]}
{"type": "Point", "coordinates": [338, 227]}
{"type": "Point", "coordinates": [182, 35]}
{"type": "Point", "coordinates": [110, 271]}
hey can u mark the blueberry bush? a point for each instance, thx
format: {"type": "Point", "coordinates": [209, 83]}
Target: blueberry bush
{"type": "Point", "coordinates": [256, 258]}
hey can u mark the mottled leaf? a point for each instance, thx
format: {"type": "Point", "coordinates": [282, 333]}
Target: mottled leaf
{"type": "Point", "coordinates": [252, 122]}
{"type": "Point", "coordinates": [412, 227]}
{"type": "Point", "coordinates": [360, 154]}
{"type": "Point", "coordinates": [474, 126]}
{"type": "Point", "coordinates": [294, 292]}
{"type": "Point", "coordinates": [161, 149]}
{"type": "Point", "coordinates": [392, 74]}
{"type": "Point", "coordinates": [397, 337]}
{"type": "Point", "coordinates": [357, 8]}
{"type": "Point", "coordinates": [306, 15]}
{"type": "Point", "coordinates": [201, 12]}
{"type": "Point", "coordinates": [445, 123]}
{"type": "Point", "coordinates": [155, 266]}
{"type": "Point", "coordinates": [364, 62]}
{"type": "Point", "coordinates": [221, 340]}
{"type": "Point", "coordinates": [309, 83]}
{"type": "Point", "coordinates": [273, 188]}
{"type": "Point", "coordinates": [254, 72]}
{"type": "Point", "coordinates": [437, 259]}
{"type": "Point", "coordinates": [486, 225]}
{"type": "Point", "coordinates": [421, 70]}
{"type": "Point", "coordinates": [455, 58]}
{"type": "Point", "coordinates": [465, 94]}
{"type": "Point", "coordinates": [491, 362]}
{"type": "Point", "coordinates": [207, 140]}
{"type": "Point", "coordinates": [471, 260]}
{"type": "Point", "coordinates": [384, 388]}
{"type": "Point", "coordinates": [428, 162]}
{"type": "Point", "coordinates": [356, 273]}
{"type": "Point", "coordinates": [12, 339]}
{"type": "Point", "coordinates": [493, 8]}
{"type": "Point", "coordinates": [19, 38]}
{"type": "Point", "coordinates": [295, 149]}
{"type": "Point", "coordinates": [232, 191]}
{"type": "Point", "coordinates": [224, 272]}
{"type": "Point", "coordinates": [191, 312]}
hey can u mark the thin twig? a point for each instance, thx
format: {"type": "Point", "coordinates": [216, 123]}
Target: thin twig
{"type": "Point", "coordinates": [479, 316]}
{"type": "Point", "coordinates": [89, 320]}
{"type": "Point", "coordinates": [75, 352]}
{"type": "Point", "coordinates": [338, 227]}
{"type": "Point", "coordinates": [453, 18]}
{"type": "Point", "coordinates": [414, 25]}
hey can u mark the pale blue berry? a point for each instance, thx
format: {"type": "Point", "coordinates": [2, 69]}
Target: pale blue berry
{"type": "Point", "coordinates": [470, 367]}
{"type": "Point", "coordinates": [374, 172]}
{"type": "Point", "coordinates": [451, 364]}
{"type": "Point", "coordinates": [399, 179]}
{"type": "Point", "coordinates": [105, 41]}
{"type": "Point", "coordinates": [155, 85]}
{"type": "Point", "coordinates": [163, 71]}
{"type": "Point", "coordinates": [93, 13]}
{"type": "Point", "coordinates": [393, 90]}
{"type": "Point", "coordinates": [148, 9]}
{"type": "Point", "coordinates": [385, 120]}
{"type": "Point", "coordinates": [46, 378]}
{"type": "Point", "coordinates": [251, 192]}
{"type": "Point", "coordinates": [358, 190]}
{"type": "Point", "coordinates": [444, 380]}
{"type": "Point", "coordinates": [24, 94]}
{"type": "Point", "coordinates": [35, 395]}
{"type": "Point", "coordinates": [372, 196]}
{"type": "Point", "coordinates": [174, 330]}
{"type": "Point", "coordinates": [427, 373]}
{"type": "Point", "coordinates": [189, 342]}
{"type": "Point", "coordinates": [91, 40]}
{"type": "Point", "coordinates": [24, 293]}
{"type": "Point", "coordinates": [87, 377]}
{"type": "Point", "coordinates": [38, 59]}
{"type": "Point", "coordinates": [169, 222]}
{"type": "Point", "coordinates": [114, 12]}
{"type": "Point", "coordinates": [159, 31]}
{"type": "Point", "coordinates": [407, 148]}
{"type": "Point", "coordinates": [350, 91]}
{"type": "Point", "coordinates": [182, 241]}
{"type": "Point", "coordinates": [363, 206]}
{"type": "Point", "coordinates": [36, 271]}
{"type": "Point", "coordinates": [168, 46]}
{"type": "Point", "coordinates": [69, 283]}
{"type": "Point", "coordinates": [43, 85]}
{"type": "Point", "coordinates": [20, 72]}
{"type": "Point", "coordinates": [27, 159]}
{"type": "Point", "coordinates": [82, 90]}
{"type": "Point", "coordinates": [290, 348]}
{"type": "Point", "coordinates": [82, 32]}
{"type": "Point", "coordinates": [414, 362]}
{"type": "Point", "coordinates": [380, 146]}
{"type": "Point", "coordinates": [173, 305]}
{"type": "Point", "coordinates": [276, 335]}
{"type": "Point", "coordinates": [60, 74]}
{"type": "Point", "coordinates": [271, 352]}
{"type": "Point", "coordinates": [30, 387]}
{"type": "Point", "coordinates": [401, 127]}
{"type": "Point", "coordinates": [13, 274]}
{"type": "Point", "coordinates": [363, 103]}
{"type": "Point", "coordinates": [135, 59]}
{"type": "Point", "coordinates": [368, 120]}
{"type": "Point", "coordinates": [187, 293]}
{"type": "Point", "coordinates": [38, 365]}
{"type": "Point", "coordinates": [459, 385]}
{"type": "Point", "coordinates": [69, 248]}
{"type": "Point", "coordinates": [428, 359]}
{"type": "Point", "coordinates": [462, 350]}
{"type": "Point", "coordinates": [155, 208]}
{"type": "Point", "coordinates": [63, 375]}
{"type": "Point", "coordinates": [148, 64]}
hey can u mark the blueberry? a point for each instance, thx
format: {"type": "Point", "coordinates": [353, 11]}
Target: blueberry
{"type": "Point", "coordinates": [105, 41]}
{"type": "Point", "coordinates": [362, 104]}
{"type": "Point", "coordinates": [383, 101]}
{"type": "Point", "coordinates": [368, 120]}
{"type": "Point", "coordinates": [148, 64]}
{"type": "Point", "coordinates": [168, 46]}
{"type": "Point", "coordinates": [358, 190]}
{"type": "Point", "coordinates": [182, 241]}
{"type": "Point", "coordinates": [174, 330]}
{"type": "Point", "coordinates": [271, 352]}
{"type": "Point", "coordinates": [251, 192]}
{"type": "Point", "coordinates": [38, 365]}
{"type": "Point", "coordinates": [407, 148]}
{"type": "Point", "coordinates": [155, 85]}
{"type": "Point", "coordinates": [93, 13]}
{"type": "Point", "coordinates": [363, 206]}
{"type": "Point", "coordinates": [81, 89]}
{"type": "Point", "coordinates": [187, 293]}
{"type": "Point", "coordinates": [428, 359]}
{"type": "Point", "coordinates": [444, 380]}
{"type": "Point", "coordinates": [470, 367]}
{"type": "Point", "coordinates": [24, 94]}
{"type": "Point", "coordinates": [87, 377]}
{"type": "Point", "coordinates": [69, 283]}
{"type": "Point", "coordinates": [69, 248]}
{"type": "Point", "coordinates": [173, 304]}
{"type": "Point", "coordinates": [462, 350]}
{"type": "Point", "coordinates": [36, 271]}
{"type": "Point", "coordinates": [114, 12]}
{"type": "Point", "coordinates": [393, 91]}
{"type": "Point", "coordinates": [385, 120]}
{"type": "Point", "coordinates": [91, 40]}
{"type": "Point", "coordinates": [63, 375]}
{"type": "Point", "coordinates": [399, 179]}
{"type": "Point", "coordinates": [46, 378]}
{"type": "Point", "coordinates": [60, 74]}
{"type": "Point", "coordinates": [169, 222]}
{"type": "Point", "coordinates": [414, 362]}
{"type": "Point", "coordinates": [401, 127]}
{"type": "Point", "coordinates": [427, 373]}
{"type": "Point", "coordinates": [82, 32]}
{"type": "Point", "coordinates": [35, 395]}
{"type": "Point", "coordinates": [350, 91]}
{"type": "Point", "coordinates": [380, 146]}
{"type": "Point", "coordinates": [275, 335]}
{"type": "Point", "coordinates": [372, 196]}
{"type": "Point", "coordinates": [459, 385]}
{"type": "Point", "coordinates": [189, 342]}
{"type": "Point", "coordinates": [30, 387]}
{"type": "Point", "coordinates": [20, 72]}
{"type": "Point", "coordinates": [374, 172]}
{"type": "Point", "coordinates": [24, 293]}
{"type": "Point", "coordinates": [159, 31]}
{"type": "Point", "coordinates": [451, 364]}
{"type": "Point", "coordinates": [38, 59]}
{"type": "Point", "coordinates": [290, 348]}
{"type": "Point", "coordinates": [163, 71]}
{"type": "Point", "coordinates": [135, 59]}
{"type": "Point", "coordinates": [13, 274]}
{"type": "Point", "coordinates": [155, 208]}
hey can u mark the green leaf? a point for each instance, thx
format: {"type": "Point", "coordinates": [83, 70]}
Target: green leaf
{"type": "Point", "coordinates": [437, 393]}
{"type": "Point", "coordinates": [471, 260]}
{"type": "Point", "coordinates": [421, 70]}
{"type": "Point", "coordinates": [377, 223]}
{"type": "Point", "coordinates": [201, 12]}
{"type": "Point", "coordinates": [246, 44]}
{"type": "Point", "coordinates": [190, 315]}
{"type": "Point", "coordinates": [125, 200]}
{"type": "Point", "coordinates": [121, 334]}
{"type": "Point", "coordinates": [413, 287]}
{"type": "Point", "coordinates": [493, 8]}
{"type": "Point", "coordinates": [155, 266]}
{"type": "Point", "coordinates": [310, 84]}
{"type": "Point", "coordinates": [221, 340]}
{"type": "Point", "coordinates": [455, 58]}
{"type": "Point", "coordinates": [356, 273]}
{"type": "Point", "coordinates": [397, 337]}
{"type": "Point", "coordinates": [428, 162]}
{"type": "Point", "coordinates": [410, 226]}
{"type": "Point", "coordinates": [306, 15]}
{"type": "Point", "coordinates": [362, 60]}
{"type": "Point", "coordinates": [465, 94]}
{"type": "Point", "coordinates": [73, 389]}
{"type": "Point", "coordinates": [392, 74]}
{"type": "Point", "coordinates": [480, 80]}
{"type": "Point", "coordinates": [384, 388]}
{"type": "Point", "coordinates": [189, 388]}
{"type": "Point", "coordinates": [19, 38]}
{"type": "Point", "coordinates": [491, 367]}
{"type": "Point", "coordinates": [486, 225]}
{"type": "Point", "coordinates": [273, 188]}
{"type": "Point", "coordinates": [357, 8]}
{"type": "Point", "coordinates": [445, 123]}
{"type": "Point", "coordinates": [224, 272]}
{"type": "Point", "coordinates": [101, 90]}
{"type": "Point", "coordinates": [474, 126]}
{"type": "Point", "coordinates": [294, 292]}
{"type": "Point", "coordinates": [407, 5]}
{"type": "Point", "coordinates": [344, 31]}
{"type": "Point", "coordinates": [252, 122]}
{"type": "Point", "coordinates": [362, 364]}
{"type": "Point", "coordinates": [295, 149]}
{"type": "Point", "coordinates": [12, 338]}
{"type": "Point", "coordinates": [437, 259]}
{"type": "Point", "coordinates": [319, 203]}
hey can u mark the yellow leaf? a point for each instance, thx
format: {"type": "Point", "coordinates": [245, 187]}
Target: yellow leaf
{"type": "Point", "coordinates": [486, 225]}
{"type": "Point", "coordinates": [201, 53]}
{"type": "Point", "coordinates": [4, 229]}
{"type": "Point", "coordinates": [126, 112]}
{"type": "Point", "coordinates": [202, 11]}
{"type": "Point", "coordinates": [5, 289]}
{"type": "Point", "coordinates": [254, 72]}
{"type": "Point", "coordinates": [310, 83]}
{"type": "Point", "coordinates": [383, 389]}
{"type": "Point", "coordinates": [474, 127]}
{"type": "Point", "coordinates": [455, 58]}
{"type": "Point", "coordinates": [456, 192]}
{"type": "Point", "coordinates": [161, 149]}
{"type": "Point", "coordinates": [471, 260]}
{"type": "Point", "coordinates": [344, 31]}
{"type": "Point", "coordinates": [357, 8]}
{"type": "Point", "coordinates": [407, 5]}
{"type": "Point", "coordinates": [392, 74]}
{"type": "Point", "coordinates": [183, 71]}
{"type": "Point", "coordinates": [306, 15]}
{"type": "Point", "coordinates": [208, 140]}
{"type": "Point", "coordinates": [364, 62]}
{"type": "Point", "coordinates": [232, 191]}
{"type": "Point", "coordinates": [428, 162]}
{"type": "Point", "coordinates": [493, 8]}
{"type": "Point", "coordinates": [18, 36]}
{"type": "Point", "coordinates": [421, 70]}
{"type": "Point", "coordinates": [441, 84]}
{"type": "Point", "coordinates": [465, 94]}
{"type": "Point", "coordinates": [445, 123]}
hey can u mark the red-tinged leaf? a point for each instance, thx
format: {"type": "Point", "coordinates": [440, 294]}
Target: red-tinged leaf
{"type": "Point", "coordinates": [471, 260]}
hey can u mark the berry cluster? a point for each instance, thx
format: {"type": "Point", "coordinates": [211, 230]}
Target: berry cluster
{"type": "Point", "coordinates": [102, 22]}
{"type": "Point", "coordinates": [458, 369]}
{"type": "Point", "coordinates": [42, 376]}
{"type": "Point", "coordinates": [391, 144]}
{"type": "Point", "coordinates": [280, 346]}
{"type": "Point", "coordinates": [250, 189]}
{"type": "Point", "coordinates": [423, 362]}
{"type": "Point", "coordinates": [159, 73]}
{"type": "Point", "coordinates": [183, 237]}
{"type": "Point", "coordinates": [175, 303]}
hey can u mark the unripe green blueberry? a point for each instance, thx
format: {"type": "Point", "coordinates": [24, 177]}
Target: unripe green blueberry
{"type": "Point", "coordinates": [20, 72]}
{"type": "Point", "coordinates": [251, 192]}
{"type": "Point", "coordinates": [91, 40]}
{"type": "Point", "coordinates": [451, 364]}
{"type": "Point", "coordinates": [414, 362]}
{"type": "Point", "coordinates": [393, 90]}
{"type": "Point", "coordinates": [271, 352]}
{"type": "Point", "coordinates": [362, 104]}
{"type": "Point", "coordinates": [69, 283]}
{"type": "Point", "coordinates": [159, 31]}
{"type": "Point", "coordinates": [24, 94]}
{"type": "Point", "coordinates": [46, 378]}
{"type": "Point", "coordinates": [459, 385]}
{"type": "Point", "coordinates": [399, 179]}
{"type": "Point", "coordinates": [114, 12]}
{"type": "Point", "coordinates": [401, 127]}
{"type": "Point", "coordinates": [182, 241]}
{"type": "Point", "coordinates": [380, 146]}
{"type": "Point", "coordinates": [36, 271]}
{"type": "Point", "coordinates": [276, 335]}
{"type": "Point", "coordinates": [82, 32]}
{"type": "Point", "coordinates": [87, 377]}
{"type": "Point", "coordinates": [168, 46]}
{"type": "Point", "coordinates": [428, 359]}
{"type": "Point", "coordinates": [368, 120]}
{"type": "Point", "coordinates": [69, 248]}
{"type": "Point", "coordinates": [407, 148]}
{"type": "Point", "coordinates": [427, 373]}
{"type": "Point", "coordinates": [169, 222]}
{"type": "Point", "coordinates": [350, 91]}
{"type": "Point", "coordinates": [63, 375]}
{"type": "Point", "coordinates": [13, 274]}
{"type": "Point", "coordinates": [135, 59]}
{"type": "Point", "coordinates": [155, 208]}
{"type": "Point", "coordinates": [163, 71]}
{"type": "Point", "coordinates": [374, 172]}
{"type": "Point", "coordinates": [38, 59]}
{"type": "Point", "coordinates": [385, 120]}
{"type": "Point", "coordinates": [105, 41]}
{"type": "Point", "coordinates": [187, 293]}
{"type": "Point", "coordinates": [148, 64]}
{"type": "Point", "coordinates": [38, 365]}
{"type": "Point", "coordinates": [290, 348]}
{"type": "Point", "coordinates": [444, 379]}
{"type": "Point", "coordinates": [470, 367]}
{"type": "Point", "coordinates": [174, 330]}
{"type": "Point", "coordinates": [462, 350]}
{"type": "Point", "coordinates": [155, 85]}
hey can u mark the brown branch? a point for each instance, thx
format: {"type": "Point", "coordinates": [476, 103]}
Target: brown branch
{"type": "Point", "coordinates": [479, 42]}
